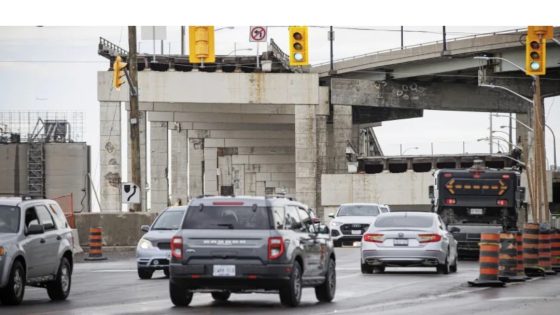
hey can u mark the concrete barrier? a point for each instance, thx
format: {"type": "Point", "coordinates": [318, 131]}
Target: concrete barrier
{"type": "Point", "coordinates": [119, 229]}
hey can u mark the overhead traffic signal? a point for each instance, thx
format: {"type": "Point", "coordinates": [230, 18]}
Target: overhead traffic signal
{"type": "Point", "coordinates": [299, 49]}
{"type": "Point", "coordinates": [201, 44]}
{"type": "Point", "coordinates": [118, 73]}
{"type": "Point", "coordinates": [535, 49]}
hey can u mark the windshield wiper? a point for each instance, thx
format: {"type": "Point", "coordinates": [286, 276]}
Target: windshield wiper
{"type": "Point", "coordinates": [228, 225]}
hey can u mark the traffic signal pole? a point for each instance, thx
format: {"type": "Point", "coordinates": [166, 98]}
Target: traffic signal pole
{"type": "Point", "coordinates": [134, 114]}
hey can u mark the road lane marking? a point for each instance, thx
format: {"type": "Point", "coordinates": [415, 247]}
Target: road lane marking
{"type": "Point", "coordinates": [111, 270]}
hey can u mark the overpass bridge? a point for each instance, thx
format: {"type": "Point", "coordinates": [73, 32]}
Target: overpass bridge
{"type": "Point", "coordinates": [235, 128]}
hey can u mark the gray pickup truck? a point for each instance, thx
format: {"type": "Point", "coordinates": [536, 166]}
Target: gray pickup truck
{"type": "Point", "coordinates": [35, 249]}
{"type": "Point", "coordinates": [250, 244]}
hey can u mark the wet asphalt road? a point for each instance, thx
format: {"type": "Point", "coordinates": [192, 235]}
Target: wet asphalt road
{"type": "Point", "coordinates": [113, 287]}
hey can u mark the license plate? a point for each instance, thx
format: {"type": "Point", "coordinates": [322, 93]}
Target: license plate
{"type": "Point", "coordinates": [356, 232]}
{"type": "Point", "coordinates": [400, 242]}
{"type": "Point", "coordinates": [224, 271]}
{"type": "Point", "coordinates": [476, 211]}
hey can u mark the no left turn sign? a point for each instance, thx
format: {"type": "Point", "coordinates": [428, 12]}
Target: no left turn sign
{"type": "Point", "coordinates": [257, 34]}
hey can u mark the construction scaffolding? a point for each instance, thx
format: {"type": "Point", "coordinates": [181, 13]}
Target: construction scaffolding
{"type": "Point", "coordinates": [42, 127]}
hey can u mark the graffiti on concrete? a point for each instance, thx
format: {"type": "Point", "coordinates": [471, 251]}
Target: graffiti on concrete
{"type": "Point", "coordinates": [113, 162]}
{"type": "Point", "coordinates": [109, 147]}
{"type": "Point", "coordinates": [409, 91]}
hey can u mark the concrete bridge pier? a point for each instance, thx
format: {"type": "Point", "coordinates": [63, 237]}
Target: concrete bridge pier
{"type": "Point", "coordinates": [110, 159]}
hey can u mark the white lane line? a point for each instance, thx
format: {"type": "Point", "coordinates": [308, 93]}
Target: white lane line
{"type": "Point", "coordinates": [113, 270]}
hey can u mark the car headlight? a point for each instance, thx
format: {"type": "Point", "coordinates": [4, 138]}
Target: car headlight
{"type": "Point", "coordinates": [145, 244]}
{"type": "Point", "coordinates": [335, 223]}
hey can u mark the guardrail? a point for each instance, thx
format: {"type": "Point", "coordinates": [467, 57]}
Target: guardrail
{"type": "Point", "coordinates": [506, 32]}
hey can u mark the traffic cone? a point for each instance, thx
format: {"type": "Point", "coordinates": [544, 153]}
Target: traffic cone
{"type": "Point", "coordinates": [489, 258]}
{"type": "Point", "coordinates": [95, 245]}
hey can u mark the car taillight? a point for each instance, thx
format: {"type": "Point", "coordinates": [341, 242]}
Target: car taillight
{"type": "Point", "coordinates": [275, 247]}
{"type": "Point", "coordinates": [505, 176]}
{"type": "Point", "coordinates": [450, 201]}
{"type": "Point", "coordinates": [374, 238]}
{"type": "Point", "coordinates": [447, 175]}
{"type": "Point", "coordinates": [177, 247]}
{"type": "Point", "coordinates": [502, 202]}
{"type": "Point", "coordinates": [428, 238]}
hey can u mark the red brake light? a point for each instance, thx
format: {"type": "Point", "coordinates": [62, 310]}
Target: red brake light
{"type": "Point", "coordinates": [429, 238]}
{"type": "Point", "coordinates": [450, 201]}
{"type": "Point", "coordinates": [374, 238]}
{"type": "Point", "coordinates": [447, 175]}
{"type": "Point", "coordinates": [228, 203]}
{"type": "Point", "coordinates": [275, 247]}
{"type": "Point", "coordinates": [502, 202]}
{"type": "Point", "coordinates": [177, 247]}
{"type": "Point", "coordinates": [505, 176]}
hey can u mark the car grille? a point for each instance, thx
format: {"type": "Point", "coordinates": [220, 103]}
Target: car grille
{"type": "Point", "coordinates": [346, 229]}
{"type": "Point", "coordinates": [164, 245]}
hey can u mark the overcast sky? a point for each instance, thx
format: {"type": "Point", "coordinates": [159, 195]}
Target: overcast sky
{"type": "Point", "coordinates": [53, 68]}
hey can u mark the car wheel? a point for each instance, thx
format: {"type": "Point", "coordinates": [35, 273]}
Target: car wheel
{"type": "Point", "coordinates": [380, 269]}
{"type": "Point", "coordinates": [444, 268]}
{"type": "Point", "coordinates": [367, 269]}
{"type": "Point", "coordinates": [453, 267]}
{"type": "Point", "coordinates": [325, 292]}
{"type": "Point", "coordinates": [221, 296]}
{"type": "Point", "coordinates": [59, 289]}
{"type": "Point", "coordinates": [13, 293]}
{"type": "Point", "coordinates": [290, 295]}
{"type": "Point", "coordinates": [166, 272]}
{"type": "Point", "coordinates": [145, 273]}
{"type": "Point", "coordinates": [179, 295]}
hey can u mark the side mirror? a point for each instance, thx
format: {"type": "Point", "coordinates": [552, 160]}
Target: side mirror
{"type": "Point", "coordinates": [145, 228]}
{"type": "Point", "coordinates": [454, 230]}
{"type": "Point", "coordinates": [35, 229]}
{"type": "Point", "coordinates": [315, 220]}
{"type": "Point", "coordinates": [331, 215]}
{"type": "Point", "coordinates": [431, 191]}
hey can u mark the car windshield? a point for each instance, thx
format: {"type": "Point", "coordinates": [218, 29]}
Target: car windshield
{"type": "Point", "coordinates": [358, 210]}
{"type": "Point", "coordinates": [169, 220]}
{"type": "Point", "coordinates": [404, 221]}
{"type": "Point", "coordinates": [9, 219]}
{"type": "Point", "coordinates": [227, 217]}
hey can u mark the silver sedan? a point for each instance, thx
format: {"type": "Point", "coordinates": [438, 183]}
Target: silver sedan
{"type": "Point", "coordinates": [408, 239]}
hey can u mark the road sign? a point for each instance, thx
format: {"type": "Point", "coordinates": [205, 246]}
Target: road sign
{"type": "Point", "coordinates": [257, 34]}
{"type": "Point", "coordinates": [130, 193]}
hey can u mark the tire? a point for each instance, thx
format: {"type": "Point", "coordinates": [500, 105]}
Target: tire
{"type": "Point", "coordinates": [166, 272]}
{"type": "Point", "coordinates": [59, 289]}
{"type": "Point", "coordinates": [145, 273]}
{"type": "Point", "coordinates": [366, 269]}
{"type": "Point", "coordinates": [325, 292]}
{"type": "Point", "coordinates": [221, 296]}
{"type": "Point", "coordinates": [444, 268]}
{"type": "Point", "coordinates": [380, 269]}
{"type": "Point", "coordinates": [179, 295]}
{"type": "Point", "coordinates": [453, 268]}
{"type": "Point", "coordinates": [290, 295]}
{"type": "Point", "coordinates": [13, 293]}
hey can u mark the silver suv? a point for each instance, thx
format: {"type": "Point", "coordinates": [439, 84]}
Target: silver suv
{"type": "Point", "coordinates": [250, 244]}
{"type": "Point", "coordinates": [35, 249]}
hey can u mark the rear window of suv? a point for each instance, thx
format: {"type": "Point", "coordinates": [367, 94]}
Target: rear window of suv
{"type": "Point", "coordinates": [399, 221]}
{"type": "Point", "coordinates": [227, 217]}
{"type": "Point", "coordinates": [9, 219]}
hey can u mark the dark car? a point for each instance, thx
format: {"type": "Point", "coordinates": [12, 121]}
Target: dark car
{"type": "Point", "coordinates": [250, 244]}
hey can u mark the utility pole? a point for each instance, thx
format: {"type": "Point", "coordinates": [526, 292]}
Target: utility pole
{"type": "Point", "coordinates": [491, 137]}
{"type": "Point", "coordinates": [182, 40]}
{"type": "Point", "coordinates": [540, 160]}
{"type": "Point", "coordinates": [134, 114]}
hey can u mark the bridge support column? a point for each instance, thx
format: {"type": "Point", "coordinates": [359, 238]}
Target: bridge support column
{"type": "Point", "coordinates": [322, 159]}
{"type": "Point", "coordinates": [342, 124]}
{"type": "Point", "coordinates": [195, 165]}
{"type": "Point", "coordinates": [159, 186]}
{"type": "Point", "coordinates": [179, 166]}
{"type": "Point", "coordinates": [110, 157]}
{"type": "Point", "coordinates": [306, 154]}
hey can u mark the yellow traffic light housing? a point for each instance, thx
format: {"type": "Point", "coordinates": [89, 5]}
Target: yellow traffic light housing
{"type": "Point", "coordinates": [535, 49]}
{"type": "Point", "coordinates": [118, 73]}
{"type": "Point", "coordinates": [299, 48]}
{"type": "Point", "coordinates": [201, 44]}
